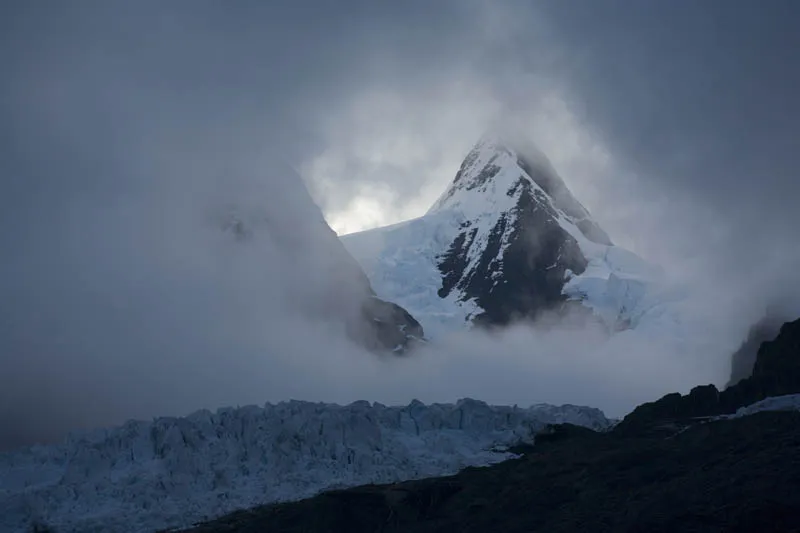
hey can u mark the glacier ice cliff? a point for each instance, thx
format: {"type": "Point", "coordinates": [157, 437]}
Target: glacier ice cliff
{"type": "Point", "coordinates": [172, 472]}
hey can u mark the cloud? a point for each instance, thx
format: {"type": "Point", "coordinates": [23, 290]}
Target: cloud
{"type": "Point", "coordinates": [377, 169]}
{"type": "Point", "coordinates": [130, 128]}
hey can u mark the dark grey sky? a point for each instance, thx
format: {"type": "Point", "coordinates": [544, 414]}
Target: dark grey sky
{"type": "Point", "coordinates": [697, 96]}
{"type": "Point", "coordinates": [123, 123]}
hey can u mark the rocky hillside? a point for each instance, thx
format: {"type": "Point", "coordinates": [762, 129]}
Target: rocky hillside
{"type": "Point", "coordinates": [776, 372]}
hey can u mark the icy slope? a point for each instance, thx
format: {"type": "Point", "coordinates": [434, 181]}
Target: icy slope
{"type": "Point", "coordinates": [788, 402]}
{"type": "Point", "coordinates": [172, 472]}
{"type": "Point", "coordinates": [506, 240]}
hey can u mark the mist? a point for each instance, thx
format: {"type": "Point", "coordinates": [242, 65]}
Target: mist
{"type": "Point", "coordinates": [132, 132]}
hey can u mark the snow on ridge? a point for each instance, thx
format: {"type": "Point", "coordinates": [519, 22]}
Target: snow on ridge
{"type": "Point", "coordinates": [480, 187]}
{"type": "Point", "coordinates": [788, 402]}
{"type": "Point", "coordinates": [172, 472]}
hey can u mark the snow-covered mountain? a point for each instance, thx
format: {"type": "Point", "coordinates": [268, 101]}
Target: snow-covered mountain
{"type": "Point", "coordinates": [506, 241]}
{"type": "Point", "coordinates": [172, 472]}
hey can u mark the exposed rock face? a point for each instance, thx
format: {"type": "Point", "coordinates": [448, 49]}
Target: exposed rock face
{"type": "Point", "coordinates": [777, 368]}
{"type": "Point", "coordinates": [744, 359]}
{"type": "Point", "coordinates": [514, 264]}
{"type": "Point", "coordinates": [776, 372]}
{"type": "Point", "coordinates": [390, 327]}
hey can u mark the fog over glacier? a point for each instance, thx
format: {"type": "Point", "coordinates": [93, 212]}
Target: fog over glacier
{"type": "Point", "coordinates": [130, 131]}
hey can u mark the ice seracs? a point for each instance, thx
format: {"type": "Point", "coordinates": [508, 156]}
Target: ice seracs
{"type": "Point", "coordinates": [172, 472]}
{"type": "Point", "coordinates": [506, 241]}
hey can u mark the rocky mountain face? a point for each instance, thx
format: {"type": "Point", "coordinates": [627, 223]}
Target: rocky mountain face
{"type": "Point", "coordinates": [338, 290]}
{"type": "Point", "coordinates": [743, 360]}
{"type": "Point", "coordinates": [776, 372]}
{"type": "Point", "coordinates": [506, 241]}
{"type": "Point", "coordinates": [385, 326]}
{"type": "Point", "coordinates": [515, 264]}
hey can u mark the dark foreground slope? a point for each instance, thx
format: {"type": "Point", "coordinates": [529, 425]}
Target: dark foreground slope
{"type": "Point", "coordinates": [739, 475]}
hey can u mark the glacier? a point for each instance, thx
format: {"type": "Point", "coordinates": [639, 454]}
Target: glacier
{"type": "Point", "coordinates": [172, 472]}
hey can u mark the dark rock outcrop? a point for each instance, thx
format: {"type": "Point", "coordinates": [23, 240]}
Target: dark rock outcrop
{"type": "Point", "coordinates": [535, 265]}
{"type": "Point", "coordinates": [776, 372]}
{"type": "Point", "coordinates": [528, 255]}
{"type": "Point", "coordinates": [386, 326]}
{"type": "Point", "coordinates": [743, 359]}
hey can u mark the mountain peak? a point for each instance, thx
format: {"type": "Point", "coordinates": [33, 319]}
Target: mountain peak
{"type": "Point", "coordinates": [506, 242]}
{"type": "Point", "coordinates": [501, 168]}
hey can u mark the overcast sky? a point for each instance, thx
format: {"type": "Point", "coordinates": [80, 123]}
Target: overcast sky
{"type": "Point", "coordinates": [673, 122]}
{"type": "Point", "coordinates": [688, 105]}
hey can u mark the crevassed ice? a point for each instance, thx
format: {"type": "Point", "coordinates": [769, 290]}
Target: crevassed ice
{"type": "Point", "coordinates": [173, 472]}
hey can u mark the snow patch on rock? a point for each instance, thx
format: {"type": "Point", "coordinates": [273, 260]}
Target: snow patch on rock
{"type": "Point", "coordinates": [788, 402]}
